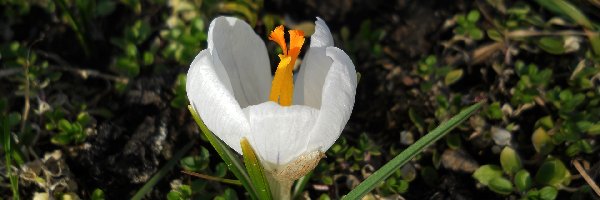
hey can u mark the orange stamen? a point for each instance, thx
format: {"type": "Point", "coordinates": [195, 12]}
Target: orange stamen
{"type": "Point", "coordinates": [282, 88]}
{"type": "Point", "coordinates": [277, 37]}
{"type": "Point", "coordinates": [296, 42]}
{"type": "Point", "coordinates": [280, 82]}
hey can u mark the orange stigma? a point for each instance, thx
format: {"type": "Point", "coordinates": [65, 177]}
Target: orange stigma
{"type": "Point", "coordinates": [282, 88]}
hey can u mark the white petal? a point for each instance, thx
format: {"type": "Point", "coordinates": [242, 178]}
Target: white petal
{"type": "Point", "coordinates": [322, 36]}
{"type": "Point", "coordinates": [279, 134]}
{"type": "Point", "coordinates": [243, 55]}
{"type": "Point", "coordinates": [337, 101]}
{"type": "Point", "coordinates": [315, 65]}
{"type": "Point", "coordinates": [311, 77]}
{"type": "Point", "coordinates": [214, 102]}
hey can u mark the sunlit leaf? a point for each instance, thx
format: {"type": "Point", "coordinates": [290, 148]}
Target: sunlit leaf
{"type": "Point", "coordinates": [255, 170]}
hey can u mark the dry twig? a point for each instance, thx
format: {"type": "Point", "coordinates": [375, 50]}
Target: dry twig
{"type": "Point", "coordinates": [585, 176]}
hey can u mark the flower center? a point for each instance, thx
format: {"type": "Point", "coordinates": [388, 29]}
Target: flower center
{"type": "Point", "coordinates": [282, 88]}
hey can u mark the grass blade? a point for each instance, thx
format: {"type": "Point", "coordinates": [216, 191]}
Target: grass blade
{"type": "Point", "coordinates": [255, 171]}
{"type": "Point", "coordinates": [300, 185]}
{"type": "Point", "coordinates": [8, 151]}
{"type": "Point", "coordinates": [565, 8]}
{"type": "Point", "coordinates": [410, 152]}
{"type": "Point", "coordinates": [230, 158]}
{"type": "Point", "coordinates": [162, 172]}
{"type": "Point", "coordinates": [76, 24]}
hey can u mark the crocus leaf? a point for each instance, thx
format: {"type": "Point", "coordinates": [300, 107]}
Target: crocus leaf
{"type": "Point", "coordinates": [401, 159]}
{"type": "Point", "coordinates": [229, 157]}
{"type": "Point", "coordinates": [255, 170]}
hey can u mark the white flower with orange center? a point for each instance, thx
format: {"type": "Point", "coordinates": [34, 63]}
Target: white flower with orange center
{"type": "Point", "coordinates": [288, 123]}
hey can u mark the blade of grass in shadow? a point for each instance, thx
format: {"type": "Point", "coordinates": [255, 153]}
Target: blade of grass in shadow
{"type": "Point", "coordinates": [230, 158]}
{"type": "Point", "coordinates": [300, 185]}
{"type": "Point", "coordinates": [8, 152]}
{"type": "Point", "coordinates": [162, 172]}
{"type": "Point", "coordinates": [565, 8]}
{"type": "Point", "coordinates": [395, 164]}
{"type": "Point", "coordinates": [255, 171]}
{"type": "Point", "coordinates": [76, 24]}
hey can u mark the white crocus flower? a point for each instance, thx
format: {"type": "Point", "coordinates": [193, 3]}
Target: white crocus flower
{"type": "Point", "coordinates": [230, 85]}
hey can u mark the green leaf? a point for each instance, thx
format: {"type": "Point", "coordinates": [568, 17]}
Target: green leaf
{"type": "Point", "coordinates": [476, 33]}
{"type": "Point", "coordinates": [180, 193]}
{"type": "Point", "coordinates": [64, 125]}
{"type": "Point", "coordinates": [127, 66]}
{"type": "Point", "coordinates": [523, 180]}
{"type": "Point", "coordinates": [548, 193]}
{"type": "Point", "coordinates": [594, 129]}
{"type": "Point", "coordinates": [228, 194]}
{"type": "Point", "coordinates": [486, 173]}
{"type": "Point", "coordinates": [229, 157]}
{"type": "Point", "coordinates": [501, 185]}
{"type": "Point", "coordinates": [542, 141]}
{"type": "Point", "coordinates": [545, 122]}
{"type": "Point", "coordinates": [473, 16]}
{"type": "Point", "coordinates": [573, 149]}
{"type": "Point", "coordinates": [495, 35]}
{"type": "Point", "coordinates": [552, 45]}
{"type": "Point", "coordinates": [61, 139]}
{"type": "Point", "coordinates": [510, 160]}
{"type": "Point", "coordinates": [221, 170]}
{"type": "Point", "coordinates": [98, 194]}
{"type": "Point", "coordinates": [196, 163]}
{"type": "Point", "coordinates": [255, 170]}
{"type": "Point", "coordinates": [494, 111]}
{"type": "Point", "coordinates": [416, 119]}
{"type": "Point", "coordinates": [453, 76]}
{"type": "Point", "coordinates": [552, 172]}
{"type": "Point", "coordinates": [410, 152]}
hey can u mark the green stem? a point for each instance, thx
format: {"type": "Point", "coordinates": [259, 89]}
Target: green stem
{"type": "Point", "coordinates": [280, 189]}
